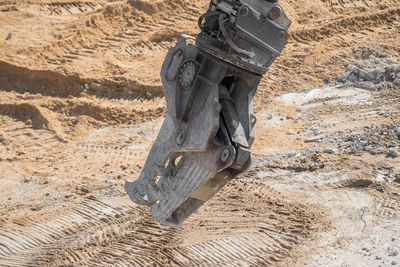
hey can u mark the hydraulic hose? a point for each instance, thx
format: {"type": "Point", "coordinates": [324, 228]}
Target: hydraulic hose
{"type": "Point", "coordinates": [206, 15]}
{"type": "Point", "coordinates": [222, 20]}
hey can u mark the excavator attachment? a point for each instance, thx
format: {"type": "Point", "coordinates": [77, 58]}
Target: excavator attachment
{"type": "Point", "coordinates": [209, 84]}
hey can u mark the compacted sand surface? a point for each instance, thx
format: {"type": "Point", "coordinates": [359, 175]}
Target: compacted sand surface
{"type": "Point", "coordinates": [81, 103]}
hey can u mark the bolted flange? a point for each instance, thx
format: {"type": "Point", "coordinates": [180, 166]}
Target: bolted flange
{"type": "Point", "coordinates": [187, 74]}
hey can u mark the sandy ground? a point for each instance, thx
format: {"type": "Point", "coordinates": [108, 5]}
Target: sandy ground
{"type": "Point", "coordinates": [81, 103]}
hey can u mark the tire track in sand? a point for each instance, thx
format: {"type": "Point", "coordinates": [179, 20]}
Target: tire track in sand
{"type": "Point", "coordinates": [255, 226]}
{"type": "Point", "coordinates": [338, 5]}
{"type": "Point", "coordinates": [131, 38]}
{"type": "Point", "coordinates": [388, 207]}
{"type": "Point", "coordinates": [112, 156]}
{"type": "Point", "coordinates": [19, 244]}
{"type": "Point", "coordinates": [69, 8]}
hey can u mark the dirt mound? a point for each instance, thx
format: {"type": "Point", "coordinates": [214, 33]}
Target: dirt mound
{"type": "Point", "coordinates": [38, 117]}
{"type": "Point", "coordinates": [325, 34]}
{"type": "Point", "coordinates": [97, 41]}
{"type": "Point", "coordinates": [372, 73]}
{"type": "Point", "coordinates": [46, 82]}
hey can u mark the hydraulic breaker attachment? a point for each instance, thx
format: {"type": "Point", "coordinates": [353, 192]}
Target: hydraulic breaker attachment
{"type": "Point", "coordinates": [209, 84]}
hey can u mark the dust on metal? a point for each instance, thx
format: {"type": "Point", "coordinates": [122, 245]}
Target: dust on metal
{"type": "Point", "coordinates": [209, 84]}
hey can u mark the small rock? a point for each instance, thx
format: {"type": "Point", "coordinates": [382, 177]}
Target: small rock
{"type": "Point", "coordinates": [290, 132]}
{"type": "Point", "coordinates": [363, 143]}
{"type": "Point", "coordinates": [368, 149]}
{"type": "Point", "coordinates": [378, 73]}
{"type": "Point", "coordinates": [352, 77]}
{"type": "Point", "coordinates": [366, 76]}
{"type": "Point", "coordinates": [87, 87]}
{"type": "Point", "coordinates": [149, 95]}
{"type": "Point", "coordinates": [396, 81]}
{"type": "Point", "coordinates": [394, 263]}
{"type": "Point", "coordinates": [341, 78]}
{"type": "Point", "coordinates": [328, 151]}
{"type": "Point", "coordinates": [314, 128]}
{"type": "Point", "coordinates": [60, 37]}
{"type": "Point", "coordinates": [3, 141]}
{"type": "Point", "coordinates": [111, 123]}
{"type": "Point", "coordinates": [8, 36]}
{"type": "Point", "coordinates": [313, 139]}
{"type": "Point", "coordinates": [106, 183]}
{"type": "Point", "coordinates": [391, 152]}
{"type": "Point", "coordinates": [378, 258]}
{"type": "Point", "coordinates": [393, 254]}
{"type": "Point", "coordinates": [123, 167]}
{"type": "Point", "coordinates": [355, 144]}
{"type": "Point", "coordinates": [290, 154]}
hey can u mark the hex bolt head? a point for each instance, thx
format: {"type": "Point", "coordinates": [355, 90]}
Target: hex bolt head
{"type": "Point", "coordinates": [244, 11]}
{"type": "Point", "coordinates": [281, 35]}
{"type": "Point", "coordinates": [225, 155]}
{"type": "Point", "coordinates": [275, 13]}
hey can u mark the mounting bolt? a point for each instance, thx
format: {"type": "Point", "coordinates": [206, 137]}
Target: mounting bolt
{"type": "Point", "coordinates": [180, 138]}
{"type": "Point", "coordinates": [244, 11]}
{"type": "Point", "coordinates": [281, 35]}
{"type": "Point", "coordinates": [263, 19]}
{"type": "Point", "coordinates": [275, 13]}
{"type": "Point", "coordinates": [226, 153]}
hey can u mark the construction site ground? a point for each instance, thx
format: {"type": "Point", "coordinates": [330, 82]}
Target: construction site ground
{"type": "Point", "coordinates": [81, 103]}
